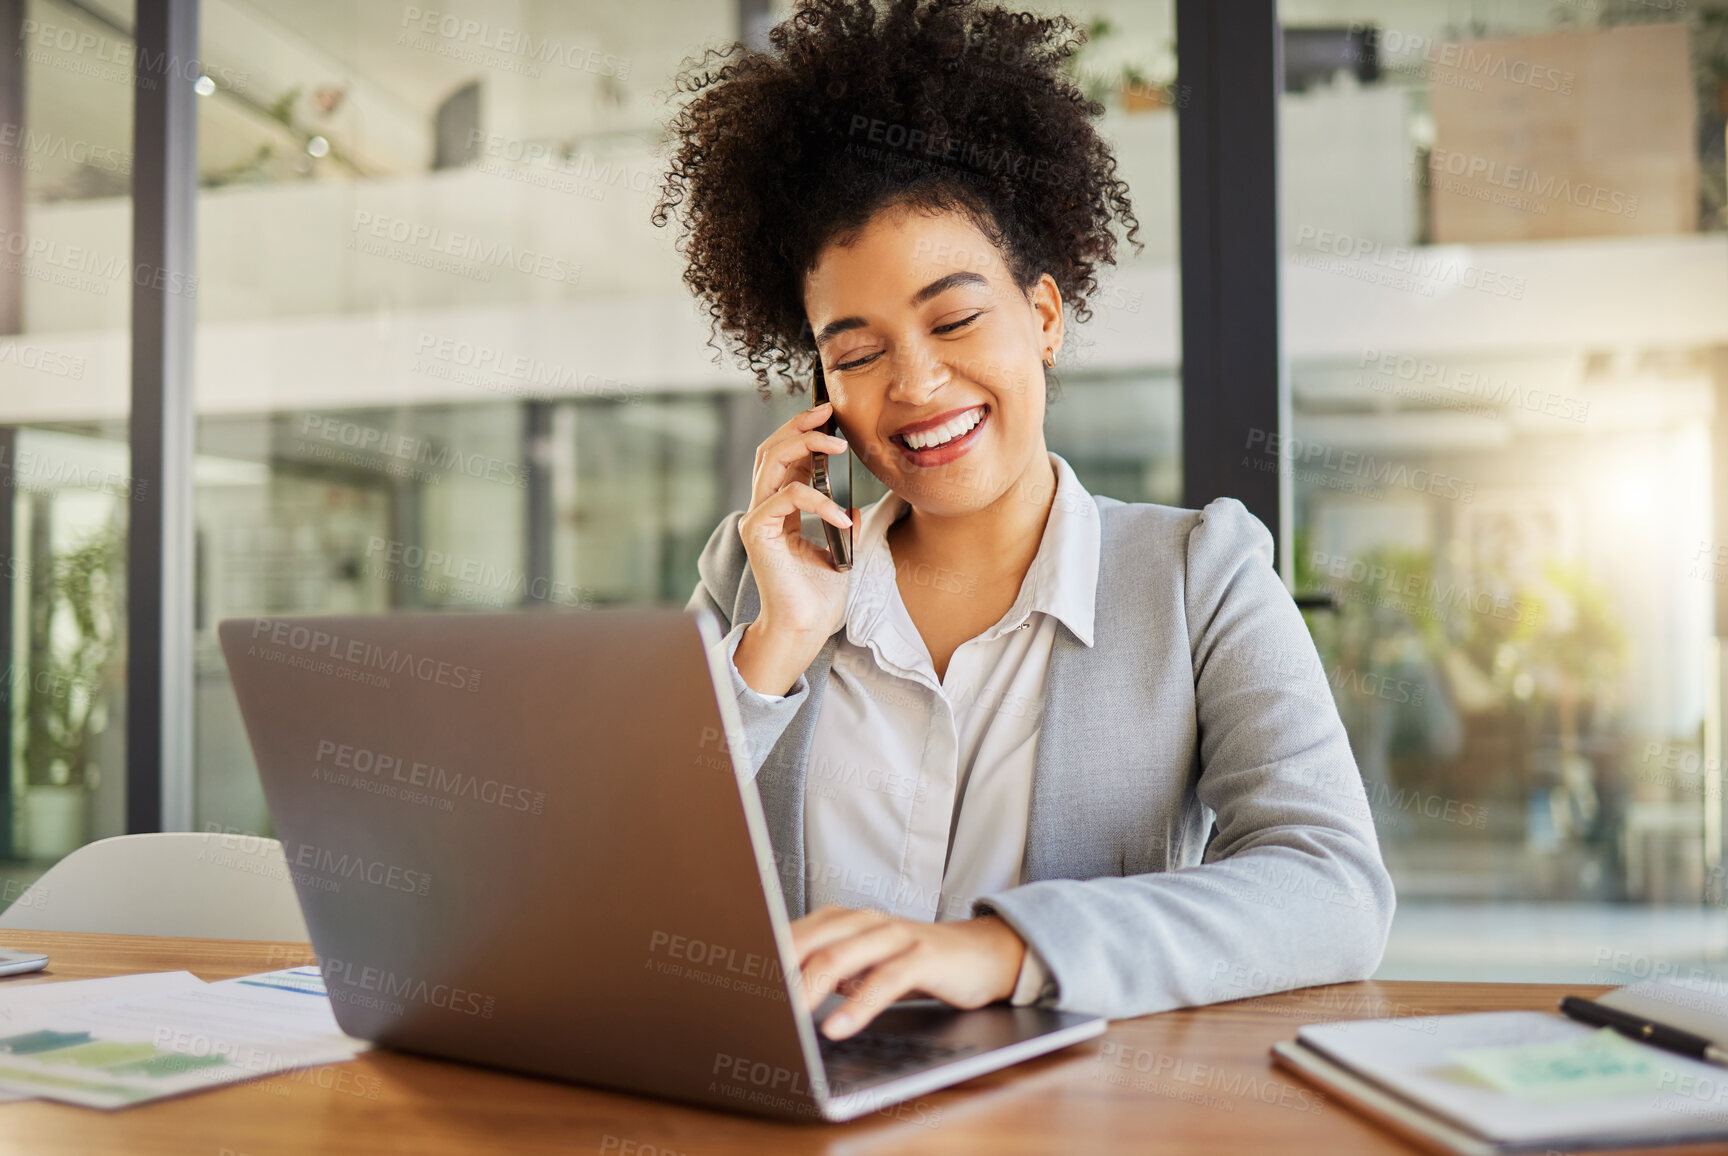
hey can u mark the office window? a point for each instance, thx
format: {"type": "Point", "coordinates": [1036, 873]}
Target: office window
{"type": "Point", "coordinates": [1506, 320]}
{"type": "Point", "coordinates": [66, 275]}
{"type": "Point", "coordinates": [446, 363]}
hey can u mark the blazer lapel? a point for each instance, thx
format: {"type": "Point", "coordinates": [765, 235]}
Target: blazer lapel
{"type": "Point", "coordinates": [1061, 820]}
{"type": "Point", "coordinates": [1054, 762]}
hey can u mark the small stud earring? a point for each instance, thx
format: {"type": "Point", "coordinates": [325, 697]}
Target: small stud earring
{"type": "Point", "coordinates": [1049, 359]}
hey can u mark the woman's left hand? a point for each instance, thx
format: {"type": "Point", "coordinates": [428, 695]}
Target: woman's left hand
{"type": "Point", "coordinates": [874, 959]}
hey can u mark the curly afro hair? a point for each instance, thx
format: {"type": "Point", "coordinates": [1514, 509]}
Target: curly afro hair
{"type": "Point", "coordinates": [854, 107]}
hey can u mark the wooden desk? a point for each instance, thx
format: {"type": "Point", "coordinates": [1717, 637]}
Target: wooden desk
{"type": "Point", "coordinates": [1196, 1081]}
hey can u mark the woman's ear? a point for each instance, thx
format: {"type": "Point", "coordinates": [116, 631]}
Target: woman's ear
{"type": "Point", "coordinates": [1047, 308]}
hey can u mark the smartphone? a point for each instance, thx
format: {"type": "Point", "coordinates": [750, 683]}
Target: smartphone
{"type": "Point", "coordinates": [17, 962]}
{"type": "Point", "coordinates": [839, 539]}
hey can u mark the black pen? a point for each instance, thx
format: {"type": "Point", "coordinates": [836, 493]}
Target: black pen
{"type": "Point", "coordinates": [1643, 1030]}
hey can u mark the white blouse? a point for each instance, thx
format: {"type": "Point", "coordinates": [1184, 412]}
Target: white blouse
{"type": "Point", "coordinates": [917, 788]}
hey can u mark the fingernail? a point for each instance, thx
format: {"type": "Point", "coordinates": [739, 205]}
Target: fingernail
{"type": "Point", "coordinates": [835, 1024]}
{"type": "Point", "coordinates": [847, 519]}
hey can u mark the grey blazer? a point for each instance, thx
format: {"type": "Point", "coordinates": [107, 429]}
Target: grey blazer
{"type": "Point", "coordinates": [1201, 700]}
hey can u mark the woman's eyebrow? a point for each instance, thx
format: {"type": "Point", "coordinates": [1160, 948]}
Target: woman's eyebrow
{"type": "Point", "coordinates": [836, 328]}
{"type": "Point", "coordinates": [943, 284]}
{"type": "Point", "coordinates": [936, 287]}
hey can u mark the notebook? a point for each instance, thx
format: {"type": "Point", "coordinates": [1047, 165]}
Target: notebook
{"type": "Point", "coordinates": [1408, 1075]}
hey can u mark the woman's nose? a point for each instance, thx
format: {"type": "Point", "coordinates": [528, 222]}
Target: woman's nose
{"type": "Point", "coordinates": [917, 375]}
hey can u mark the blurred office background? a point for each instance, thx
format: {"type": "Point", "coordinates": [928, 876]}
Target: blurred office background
{"type": "Point", "coordinates": [444, 362]}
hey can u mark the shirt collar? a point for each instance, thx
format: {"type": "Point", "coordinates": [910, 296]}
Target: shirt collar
{"type": "Point", "coordinates": [1062, 580]}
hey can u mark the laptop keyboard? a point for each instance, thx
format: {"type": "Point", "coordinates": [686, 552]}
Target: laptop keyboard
{"type": "Point", "coordinates": [870, 1056]}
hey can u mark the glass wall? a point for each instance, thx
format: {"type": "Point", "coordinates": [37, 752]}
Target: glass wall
{"type": "Point", "coordinates": [446, 363]}
{"type": "Point", "coordinates": [66, 278]}
{"type": "Point", "coordinates": [1506, 313]}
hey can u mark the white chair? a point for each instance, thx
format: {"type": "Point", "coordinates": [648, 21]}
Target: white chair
{"type": "Point", "coordinates": [198, 885]}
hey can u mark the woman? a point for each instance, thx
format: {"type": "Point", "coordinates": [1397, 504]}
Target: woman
{"type": "Point", "coordinates": [992, 754]}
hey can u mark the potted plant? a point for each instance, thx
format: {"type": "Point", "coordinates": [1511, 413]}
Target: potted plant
{"type": "Point", "coordinates": [1130, 84]}
{"type": "Point", "coordinates": [74, 625]}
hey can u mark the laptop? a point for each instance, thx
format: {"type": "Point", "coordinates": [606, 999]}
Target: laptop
{"type": "Point", "coordinates": [530, 841]}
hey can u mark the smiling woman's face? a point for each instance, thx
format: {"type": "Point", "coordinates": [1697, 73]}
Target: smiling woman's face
{"type": "Point", "coordinates": [933, 356]}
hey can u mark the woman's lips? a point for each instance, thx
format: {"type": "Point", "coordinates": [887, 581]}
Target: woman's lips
{"type": "Point", "coordinates": [946, 452]}
{"type": "Point", "coordinates": [929, 424]}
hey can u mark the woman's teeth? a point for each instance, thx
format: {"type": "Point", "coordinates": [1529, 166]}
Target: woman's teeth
{"type": "Point", "coordinates": [946, 432]}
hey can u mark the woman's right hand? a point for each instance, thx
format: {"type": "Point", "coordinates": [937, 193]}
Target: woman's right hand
{"type": "Point", "coordinates": [803, 596]}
